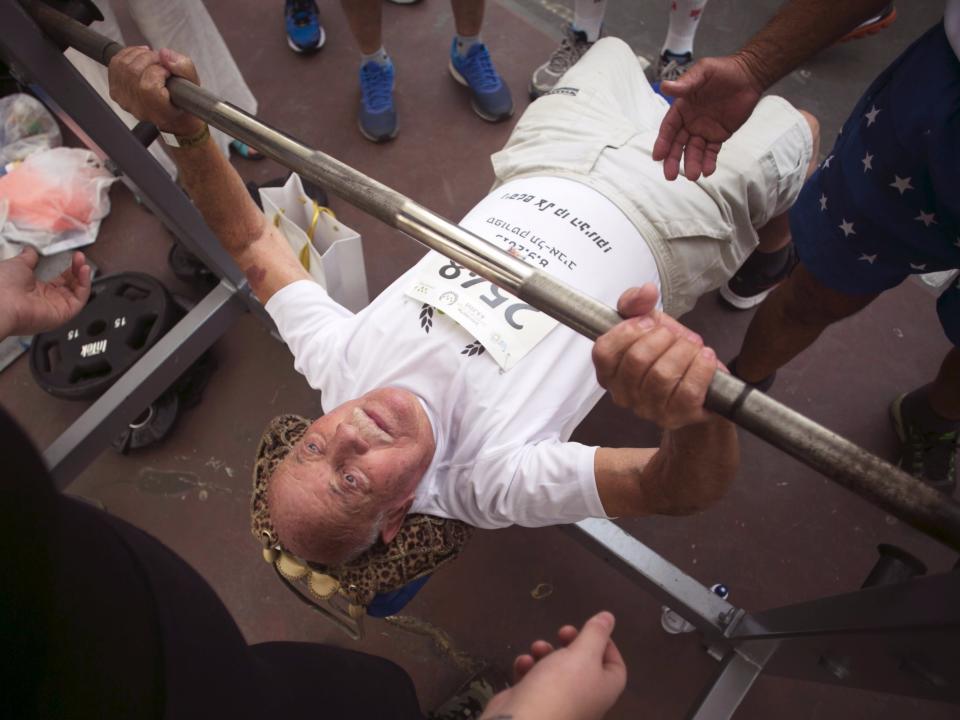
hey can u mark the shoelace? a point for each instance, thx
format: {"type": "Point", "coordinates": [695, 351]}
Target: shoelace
{"type": "Point", "coordinates": [672, 70]}
{"type": "Point", "coordinates": [303, 12]}
{"type": "Point", "coordinates": [478, 68]}
{"type": "Point", "coordinates": [376, 85]}
{"type": "Point", "coordinates": [571, 49]}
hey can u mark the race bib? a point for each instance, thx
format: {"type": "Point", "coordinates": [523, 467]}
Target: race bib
{"type": "Point", "coordinates": [506, 326]}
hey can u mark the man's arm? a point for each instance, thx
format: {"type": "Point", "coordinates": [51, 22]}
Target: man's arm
{"type": "Point", "coordinates": [138, 78]}
{"type": "Point", "coordinates": [659, 369]}
{"type": "Point", "coordinates": [716, 96]}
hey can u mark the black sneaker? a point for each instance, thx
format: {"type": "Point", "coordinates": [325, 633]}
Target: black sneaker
{"type": "Point", "coordinates": [928, 455]}
{"type": "Point", "coordinates": [755, 278]}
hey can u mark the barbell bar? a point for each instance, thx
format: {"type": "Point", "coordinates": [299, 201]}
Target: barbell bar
{"type": "Point", "coordinates": [844, 462]}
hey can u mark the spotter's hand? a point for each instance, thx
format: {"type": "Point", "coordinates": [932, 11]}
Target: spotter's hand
{"type": "Point", "coordinates": [713, 99]}
{"type": "Point", "coordinates": [29, 306]}
{"type": "Point", "coordinates": [138, 83]}
{"type": "Point", "coordinates": [580, 680]}
{"type": "Point", "coordinates": [653, 365]}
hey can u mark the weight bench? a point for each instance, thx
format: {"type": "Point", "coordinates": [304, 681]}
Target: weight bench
{"type": "Point", "coordinates": [900, 635]}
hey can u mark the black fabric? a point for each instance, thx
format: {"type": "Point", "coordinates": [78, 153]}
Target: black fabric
{"type": "Point", "coordinates": [100, 620]}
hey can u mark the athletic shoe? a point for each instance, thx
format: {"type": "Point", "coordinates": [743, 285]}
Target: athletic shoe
{"type": "Point", "coordinates": [304, 31]}
{"type": "Point", "coordinates": [672, 65]}
{"type": "Point", "coordinates": [751, 284]}
{"type": "Point", "coordinates": [872, 26]}
{"type": "Point", "coordinates": [378, 116]}
{"type": "Point", "coordinates": [573, 46]}
{"type": "Point", "coordinates": [930, 456]}
{"type": "Point", "coordinates": [761, 385]}
{"type": "Point", "coordinates": [490, 96]}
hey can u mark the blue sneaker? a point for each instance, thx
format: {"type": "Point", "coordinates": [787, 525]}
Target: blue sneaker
{"type": "Point", "coordinates": [491, 98]}
{"type": "Point", "coordinates": [304, 31]}
{"type": "Point", "coordinates": [378, 116]}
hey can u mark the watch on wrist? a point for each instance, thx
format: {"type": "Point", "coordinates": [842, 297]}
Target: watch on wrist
{"type": "Point", "coordinates": [186, 141]}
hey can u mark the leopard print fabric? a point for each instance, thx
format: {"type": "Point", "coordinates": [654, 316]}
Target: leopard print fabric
{"type": "Point", "coordinates": [424, 543]}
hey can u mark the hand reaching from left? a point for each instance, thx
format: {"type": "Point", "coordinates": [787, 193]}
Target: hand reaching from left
{"type": "Point", "coordinates": [29, 306]}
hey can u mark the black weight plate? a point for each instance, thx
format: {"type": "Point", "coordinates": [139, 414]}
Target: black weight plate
{"type": "Point", "coordinates": [126, 314]}
{"type": "Point", "coordinates": [151, 426]}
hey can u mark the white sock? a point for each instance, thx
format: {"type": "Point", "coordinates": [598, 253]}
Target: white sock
{"type": "Point", "coordinates": [465, 42]}
{"type": "Point", "coordinates": [684, 19]}
{"type": "Point", "coordinates": [588, 17]}
{"type": "Point", "coordinates": [380, 57]}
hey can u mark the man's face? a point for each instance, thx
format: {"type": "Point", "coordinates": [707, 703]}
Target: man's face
{"type": "Point", "coordinates": [369, 452]}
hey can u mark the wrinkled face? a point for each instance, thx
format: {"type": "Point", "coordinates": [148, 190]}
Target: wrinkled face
{"type": "Point", "coordinates": [365, 456]}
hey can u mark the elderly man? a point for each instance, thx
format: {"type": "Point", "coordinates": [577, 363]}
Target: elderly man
{"type": "Point", "coordinates": [466, 413]}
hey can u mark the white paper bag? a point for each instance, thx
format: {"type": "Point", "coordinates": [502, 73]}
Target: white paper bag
{"type": "Point", "coordinates": [329, 250]}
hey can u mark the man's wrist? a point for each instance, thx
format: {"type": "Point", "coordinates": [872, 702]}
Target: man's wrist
{"type": "Point", "coordinates": [185, 140]}
{"type": "Point", "coordinates": [751, 59]}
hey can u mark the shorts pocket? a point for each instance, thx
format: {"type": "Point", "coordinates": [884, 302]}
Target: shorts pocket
{"type": "Point", "coordinates": [551, 138]}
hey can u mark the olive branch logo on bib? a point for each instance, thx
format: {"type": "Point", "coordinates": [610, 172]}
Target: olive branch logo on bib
{"type": "Point", "coordinates": [503, 324]}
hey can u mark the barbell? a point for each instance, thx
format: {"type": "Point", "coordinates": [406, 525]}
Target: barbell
{"type": "Point", "coordinates": [861, 472]}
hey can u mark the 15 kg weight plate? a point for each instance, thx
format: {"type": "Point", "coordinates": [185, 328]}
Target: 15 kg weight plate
{"type": "Point", "coordinates": [126, 314]}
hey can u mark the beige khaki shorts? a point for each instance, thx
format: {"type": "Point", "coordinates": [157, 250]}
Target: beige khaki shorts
{"type": "Point", "coordinates": [598, 126]}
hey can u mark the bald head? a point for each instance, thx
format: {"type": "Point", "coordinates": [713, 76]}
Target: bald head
{"type": "Point", "coordinates": [352, 477]}
{"type": "Point", "coordinates": [316, 529]}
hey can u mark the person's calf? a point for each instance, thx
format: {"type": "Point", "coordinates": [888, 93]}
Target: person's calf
{"type": "Point", "coordinates": [789, 321]}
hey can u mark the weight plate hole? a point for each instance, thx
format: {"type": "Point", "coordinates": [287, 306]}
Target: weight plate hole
{"type": "Point", "coordinates": [51, 356]}
{"type": "Point", "coordinates": [89, 371]}
{"type": "Point", "coordinates": [142, 419]}
{"type": "Point", "coordinates": [132, 292]}
{"type": "Point", "coordinates": [141, 331]}
{"type": "Point", "coordinates": [96, 327]}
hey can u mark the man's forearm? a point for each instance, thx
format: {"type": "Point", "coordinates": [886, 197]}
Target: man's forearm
{"type": "Point", "coordinates": [220, 195]}
{"type": "Point", "coordinates": [799, 30]}
{"type": "Point", "coordinates": [694, 465]}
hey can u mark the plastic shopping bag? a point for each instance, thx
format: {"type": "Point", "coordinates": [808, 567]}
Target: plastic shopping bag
{"type": "Point", "coordinates": [26, 127]}
{"type": "Point", "coordinates": [55, 200]}
{"type": "Point", "coordinates": [329, 250]}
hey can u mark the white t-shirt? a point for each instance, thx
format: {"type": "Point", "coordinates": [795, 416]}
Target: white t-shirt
{"type": "Point", "coordinates": [501, 452]}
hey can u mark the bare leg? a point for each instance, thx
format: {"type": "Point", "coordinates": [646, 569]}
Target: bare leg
{"type": "Point", "coordinates": [775, 235]}
{"type": "Point", "coordinates": [364, 17]}
{"type": "Point", "coordinates": [944, 394]}
{"type": "Point", "coordinates": [789, 320]}
{"type": "Point", "coordinates": [467, 16]}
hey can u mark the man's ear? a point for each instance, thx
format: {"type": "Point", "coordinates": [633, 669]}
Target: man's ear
{"type": "Point", "coordinates": [394, 521]}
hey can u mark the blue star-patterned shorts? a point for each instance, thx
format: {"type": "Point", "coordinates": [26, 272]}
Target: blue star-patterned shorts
{"type": "Point", "coordinates": [885, 203]}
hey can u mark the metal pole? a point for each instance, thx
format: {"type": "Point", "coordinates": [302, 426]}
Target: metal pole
{"type": "Point", "coordinates": [888, 487]}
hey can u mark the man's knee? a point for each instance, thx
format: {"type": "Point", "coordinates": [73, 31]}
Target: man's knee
{"type": "Point", "coordinates": [806, 301]}
{"type": "Point", "coordinates": [814, 125]}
